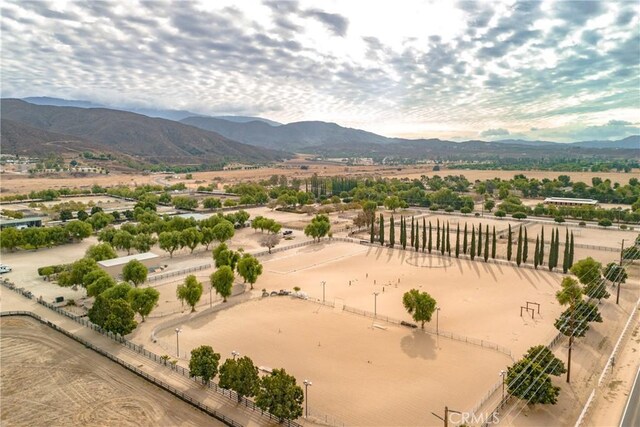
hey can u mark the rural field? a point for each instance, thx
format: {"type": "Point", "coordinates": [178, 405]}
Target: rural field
{"type": "Point", "coordinates": [21, 183]}
{"type": "Point", "coordinates": [49, 379]}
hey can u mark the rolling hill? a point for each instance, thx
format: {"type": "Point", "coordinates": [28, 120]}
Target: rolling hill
{"type": "Point", "coordinates": [151, 139]}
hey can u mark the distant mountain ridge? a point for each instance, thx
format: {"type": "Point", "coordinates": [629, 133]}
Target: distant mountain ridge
{"type": "Point", "coordinates": [151, 139]}
{"type": "Point", "coordinates": [299, 136]}
{"type": "Point", "coordinates": [175, 115]}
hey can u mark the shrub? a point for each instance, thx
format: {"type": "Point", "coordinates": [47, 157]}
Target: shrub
{"type": "Point", "coordinates": [500, 214]}
{"type": "Point", "coordinates": [605, 222]}
{"type": "Point", "coordinates": [434, 207]}
{"type": "Point", "coordinates": [448, 209]}
{"type": "Point", "coordinates": [558, 219]}
{"type": "Point", "coordinates": [465, 210]}
{"type": "Point", "coordinates": [519, 215]}
{"type": "Point", "coordinates": [623, 227]}
{"type": "Point", "coordinates": [582, 224]}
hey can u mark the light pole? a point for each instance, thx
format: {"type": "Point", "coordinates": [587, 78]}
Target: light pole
{"type": "Point", "coordinates": [503, 374]}
{"type": "Point", "coordinates": [234, 354]}
{"type": "Point", "coordinates": [437, 320]}
{"type": "Point", "coordinates": [375, 304]}
{"type": "Point", "coordinates": [323, 288]}
{"type": "Point", "coordinates": [178, 330]}
{"type": "Point", "coordinates": [306, 383]}
{"type": "Point", "coordinates": [619, 272]}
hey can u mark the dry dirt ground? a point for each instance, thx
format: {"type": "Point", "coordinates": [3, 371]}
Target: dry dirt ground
{"type": "Point", "coordinates": [361, 375]}
{"type": "Point", "coordinates": [12, 183]}
{"type": "Point", "coordinates": [50, 380]}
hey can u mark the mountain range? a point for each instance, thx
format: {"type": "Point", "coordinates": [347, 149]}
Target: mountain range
{"type": "Point", "coordinates": [29, 128]}
{"type": "Point", "coordinates": [149, 139]}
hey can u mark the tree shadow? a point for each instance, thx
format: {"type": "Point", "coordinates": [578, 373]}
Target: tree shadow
{"type": "Point", "coordinates": [419, 344]}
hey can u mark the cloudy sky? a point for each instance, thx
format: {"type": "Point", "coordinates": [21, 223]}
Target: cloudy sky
{"type": "Point", "coordinates": [554, 70]}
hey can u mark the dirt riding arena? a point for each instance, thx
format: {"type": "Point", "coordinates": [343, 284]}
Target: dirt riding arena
{"type": "Point", "coordinates": [50, 380]}
{"type": "Point", "coordinates": [363, 373]}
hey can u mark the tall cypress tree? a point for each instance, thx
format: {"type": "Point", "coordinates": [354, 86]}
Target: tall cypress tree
{"type": "Point", "coordinates": [556, 252]}
{"type": "Point", "coordinates": [424, 234]}
{"type": "Point", "coordinates": [404, 234]}
{"type": "Point", "coordinates": [519, 251]}
{"type": "Point", "coordinates": [525, 247]}
{"type": "Point", "coordinates": [536, 253]}
{"type": "Point", "coordinates": [412, 239]}
{"type": "Point", "coordinates": [392, 232]}
{"type": "Point", "coordinates": [552, 248]}
{"type": "Point", "coordinates": [464, 242]}
{"type": "Point", "coordinates": [479, 240]}
{"type": "Point", "coordinates": [494, 244]}
{"type": "Point", "coordinates": [486, 244]}
{"type": "Point", "coordinates": [509, 248]}
{"type": "Point", "coordinates": [458, 241]}
{"type": "Point", "coordinates": [473, 243]}
{"type": "Point", "coordinates": [430, 243]}
{"type": "Point", "coordinates": [442, 241]}
{"type": "Point", "coordinates": [401, 229]}
{"type": "Point", "coordinates": [541, 253]}
{"type": "Point", "coordinates": [381, 230]}
{"type": "Point", "coordinates": [372, 230]}
{"type": "Point", "coordinates": [438, 235]}
{"type": "Point", "coordinates": [448, 240]}
{"type": "Point", "coordinates": [571, 252]}
{"type": "Point", "coordinates": [565, 254]}
{"type": "Point", "coordinates": [417, 236]}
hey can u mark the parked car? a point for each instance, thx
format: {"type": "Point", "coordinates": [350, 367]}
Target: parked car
{"type": "Point", "coordinates": [287, 232]}
{"type": "Point", "coordinates": [4, 269]}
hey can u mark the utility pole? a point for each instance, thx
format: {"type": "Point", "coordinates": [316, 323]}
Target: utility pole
{"type": "Point", "coordinates": [619, 281]}
{"type": "Point", "coordinates": [178, 330]}
{"type": "Point", "coordinates": [306, 383]}
{"type": "Point", "coordinates": [446, 415]}
{"type": "Point", "coordinates": [323, 283]}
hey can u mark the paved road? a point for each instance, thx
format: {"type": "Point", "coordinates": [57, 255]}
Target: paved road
{"type": "Point", "coordinates": [631, 414]}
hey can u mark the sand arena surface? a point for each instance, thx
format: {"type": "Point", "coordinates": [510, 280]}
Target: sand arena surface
{"type": "Point", "coordinates": [361, 374]}
{"type": "Point", "coordinates": [49, 379]}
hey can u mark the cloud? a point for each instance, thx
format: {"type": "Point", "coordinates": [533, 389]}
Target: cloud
{"type": "Point", "coordinates": [338, 24]}
{"type": "Point", "coordinates": [494, 132]}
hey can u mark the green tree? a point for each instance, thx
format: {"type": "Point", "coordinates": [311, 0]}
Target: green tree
{"type": "Point", "coordinates": [574, 321]}
{"type": "Point", "coordinates": [100, 220]}
{"type": "Point", "coordinates": [135, 272]}
{"type": "Point", "coordinates": [76, 272]}
{"type": "Point", "coordinates": [190, 292]}
{"type": "Point", "coordinates": [493, 243]}
{"type": "Point", "coordinates": [458, 241]}
{"type": "Point", "coordinates": [100, 284]}
{"type": "Point", "coordinates": [78, 230]}
{"type": "Point", "coordinates": [66, 215]}
{"type": "Point", "coordinates": [519, 250]}
{"type": "Point", "coordinates": [143, 242]}
{"type": "Point", "coordinates": [464, 240]}
{"type": "Point", "coordinates": [222, 281]}
{"type": "Point", "coordinates": [191, 238]}
{"type": "Point", "coordinates": [536, 253]}
{"type": "Point", "coordinates": [479, 251]}
{"type": "Point", "coordinates": [544, 357]}
{"type": "Point", "coordinates": [424, 234]}
{"type": "Point", "coordinates": [113, 315]}
{"type": "Point", "coordinates": [528, 381]}
{"type": "Point", "coordinates": [280, 395]}
{"type": "Point", "coordinates": [100, 252]}
{"type": "Point", "coordinates": [525, 246]}
{"type": "Point", "coordinates": [438, 235]}
{"type": "Point", "coordinates": [412, 232]}
{"type": "Point", "coordinates": [509, 240]}
{"type": "Point", "coordinates": [420, 305]}
{"type": "Point", "coordinates": [417, 237]}
{"type": "Point", "coordinates": [240, 376]}
{"type": "Point", "coordinates": [430, 243]}
{"type": "Point", "coordinates": [489, 204]}
{"type": "Point", "coordinates": [204, 363]}
{"type": "Point", "coordinates": [10, 238]}
{"type": "Point", "coordinates": [392, 203]}
{"type": "Point", "coordinates": [372, 233]}
{"type": "Point", "coordinates": [541, 253]}
{"type": "Point", "coordinates": [472, 252]}
{"type": "Point", "coordinates": [211, 203]}
{"type": "Point", "coordinates": [571, 252]}
{"type": "Point", "coordinates": [319, 227]}
{"type": "Point", "coordinates": [222, 255]}
{"type": "Point", "coordinates": [565, 255]}
{"type": "Point", "coordinates": [392, 232]}
{"type": "Point", "coordinates": [448, 240]}
{"type": "Point", "coordinates": [486, 245]}
{"type": "Point", "coordinates": [615, 273]}
{"type": "Point", "coordinates": [169, 241]}
{"type": "Point", "coordinates": [143, 300]}
{"type": "Point", "coordinates": [587, 271]}
{"type": "Point", "coordinates": [123, 240]}
{"type": "Point", "coordinates": [249, 268]}
{"type": "Point", "coordinates": [381, 232]}
{"type": "Point", "coordinates": [223, 231]}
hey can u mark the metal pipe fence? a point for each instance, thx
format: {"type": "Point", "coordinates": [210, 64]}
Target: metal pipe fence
{"type": "Point", "coordinates": [178, 272]}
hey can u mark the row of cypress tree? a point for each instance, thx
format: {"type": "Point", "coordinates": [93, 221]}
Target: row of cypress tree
{"type": "Point", "coordinates": [482, 243]}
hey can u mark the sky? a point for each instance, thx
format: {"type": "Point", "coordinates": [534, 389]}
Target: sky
{"type": "Point", "coordinates": [550, 70]}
